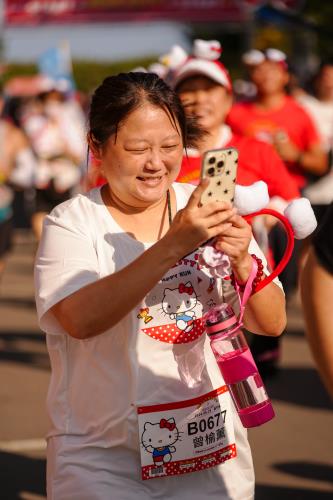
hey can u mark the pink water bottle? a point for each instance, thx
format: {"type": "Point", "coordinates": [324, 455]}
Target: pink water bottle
{"type": "Point", "coordinates": [238, 366]}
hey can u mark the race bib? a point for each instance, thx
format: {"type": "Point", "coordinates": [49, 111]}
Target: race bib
{"type": "Point", "coordinates": [186, 436]}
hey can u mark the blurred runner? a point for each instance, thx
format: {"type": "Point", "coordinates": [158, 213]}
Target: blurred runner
{"type": "Point", "coordinates": [55, 127]}
{"type": "Point", "coordinates": [17, 170]}
{"type": "Point", "coordinates": [278, 119]}
{"type": "Point", "coordinates": [319, 105]}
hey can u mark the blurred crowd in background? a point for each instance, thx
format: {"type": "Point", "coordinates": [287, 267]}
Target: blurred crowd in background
{"type": "Point", "coordinates": [44, 158]}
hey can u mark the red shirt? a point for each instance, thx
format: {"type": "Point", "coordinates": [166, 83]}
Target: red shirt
{"type": "Point", "coordinates": [257, 161]}
{"type": "Point", "coordinates": [249, 120]}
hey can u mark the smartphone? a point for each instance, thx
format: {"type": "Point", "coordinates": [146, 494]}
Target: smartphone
{"type": "Point", "coordinates": [220, 167]}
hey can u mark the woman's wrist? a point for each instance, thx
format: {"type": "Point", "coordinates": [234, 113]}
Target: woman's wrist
{"type": "Point", "coordinates": [170, 248]}
{"type": "Point", "coordinates": [255, 280]}
{"type": "Point", "coordinates": [242, 269]}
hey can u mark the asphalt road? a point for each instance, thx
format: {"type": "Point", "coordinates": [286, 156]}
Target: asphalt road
{"type": "Point", "coordinates": [293, 454]}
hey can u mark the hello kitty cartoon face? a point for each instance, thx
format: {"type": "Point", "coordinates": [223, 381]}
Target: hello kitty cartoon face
{"type": "Point", "coordinates": [179, 300]}
{"type": "Point", "coordinates": [179, 303]}
{"type": "Point", "coordinates": [158, 439]}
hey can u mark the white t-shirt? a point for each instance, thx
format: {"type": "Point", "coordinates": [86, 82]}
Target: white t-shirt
{"type": "Point", "coordinates": [322, 114]}
{"type": "Point", "coordinates": [321, 191]}
{"type": "Point", "coordinates": [98, 383]}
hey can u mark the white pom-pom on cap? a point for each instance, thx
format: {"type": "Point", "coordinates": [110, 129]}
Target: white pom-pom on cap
{"type": "Point", "coordinates": [250, 199]}
{"type": "Point", "coordinates": [159, 69]}
{"type": "Point", "coordinates": [302, 218]}
{"type": "Point", "coordinates": [207, 49]}
{"type": "Point", "coordinates": [174, 58]}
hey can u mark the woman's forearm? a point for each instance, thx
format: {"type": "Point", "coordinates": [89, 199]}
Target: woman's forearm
{"type": "Point", "coordinates": [102, 304]}
{"type": "Point", "coordinates": [265, 311]}
{"type": "Point", "coordinates": [315, 162]}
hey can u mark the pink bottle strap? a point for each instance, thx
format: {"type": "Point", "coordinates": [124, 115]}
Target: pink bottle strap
{"type": "Point", "coordinates": [247, 290]}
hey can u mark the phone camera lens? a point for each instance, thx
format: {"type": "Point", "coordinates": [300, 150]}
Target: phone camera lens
{"type": "Point", "coordinates": [220, 164]}
{"type": "Point", "coordinates": [211, 171]}
{"type": "Point", "coordinates": [212, 160]}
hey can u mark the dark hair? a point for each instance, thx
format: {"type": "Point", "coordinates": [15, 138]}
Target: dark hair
{"type": "Point", "coordinates": [328, 61]}
{"type": "Point", "coordinates": [121, 94]}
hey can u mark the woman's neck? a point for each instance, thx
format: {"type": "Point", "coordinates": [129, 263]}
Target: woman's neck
{"type": "Point", "coordinates": [111, 200]}
{"type": "Point", "coordinates": [146, 224]}
{"type": "Point", "coordinates": [210, 140]}
{"type": "Point", "coordinates": [269, 102]}
{"type": "Point", "coordinates": [326, 97]}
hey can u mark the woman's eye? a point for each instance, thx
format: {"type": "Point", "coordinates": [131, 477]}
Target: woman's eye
{"type": "Point", "coordinates": [136, 150]}
{"type": "Point", "coordinates": [187, 104]}
{"type": "Point", "coordinates": [170, 146]}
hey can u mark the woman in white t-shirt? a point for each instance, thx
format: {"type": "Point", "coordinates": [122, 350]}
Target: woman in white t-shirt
{"type": "Point", "coordinates": [133, 378]}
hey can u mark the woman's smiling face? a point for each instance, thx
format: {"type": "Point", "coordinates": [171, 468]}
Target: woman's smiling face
{"type": "Point", "coordinates": [143, 159]}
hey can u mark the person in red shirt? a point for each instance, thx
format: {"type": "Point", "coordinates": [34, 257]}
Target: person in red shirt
{"type": "Point", "coordinates": [205, 89]}
{"type": "Point", "coordinates": [276, 118]}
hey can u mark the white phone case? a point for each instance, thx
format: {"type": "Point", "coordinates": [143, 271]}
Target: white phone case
{"type": "Point", "coordinates": [220, 167]}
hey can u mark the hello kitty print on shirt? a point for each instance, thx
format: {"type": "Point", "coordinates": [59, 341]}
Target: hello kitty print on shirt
{"type": "Point", "coordinates": [159, 438]}
{"type": "Point", "coordinates": [172, 311]}
{"type": "Point", "coordinates": [179, 303]}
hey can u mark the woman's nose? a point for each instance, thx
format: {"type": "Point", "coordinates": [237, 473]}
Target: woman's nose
{"type": "Point", "coordinates": [200, 96]}
{"type": "Point", "coordinates": [154, 161]}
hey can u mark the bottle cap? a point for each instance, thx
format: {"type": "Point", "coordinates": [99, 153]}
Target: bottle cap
{"type": "Point", "coordinates": [220, 318]}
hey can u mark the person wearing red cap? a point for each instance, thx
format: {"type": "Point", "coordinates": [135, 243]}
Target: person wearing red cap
{"type": "Point", "coordinates": [205, 89]}
{"type": "Point", "coordinates": [204, 86]}
{"type": "Point", "coordinates": [276, 118]}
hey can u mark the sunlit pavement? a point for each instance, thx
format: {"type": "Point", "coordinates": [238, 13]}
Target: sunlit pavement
{"type": "Point", "coordinates": [293, 454]}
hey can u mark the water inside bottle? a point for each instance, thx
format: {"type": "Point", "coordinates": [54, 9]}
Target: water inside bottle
{"type": "Point", "coordinates": [248, 392]}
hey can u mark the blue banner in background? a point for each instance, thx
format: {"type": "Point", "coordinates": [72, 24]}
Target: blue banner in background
{"type": "Point", "coordinates": [56, 64]}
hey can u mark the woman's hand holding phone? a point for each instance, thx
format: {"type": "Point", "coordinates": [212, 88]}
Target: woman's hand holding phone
{"type": "Point", "coordinates": [234, 242]}
{"type": "Point", "coordinates": [220, 168]}
{"type": "Point", "coordinates": [196, 223]}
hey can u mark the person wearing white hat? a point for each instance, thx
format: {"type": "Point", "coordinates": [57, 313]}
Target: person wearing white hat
{"type": "Point", "coordinates": [276, 118]}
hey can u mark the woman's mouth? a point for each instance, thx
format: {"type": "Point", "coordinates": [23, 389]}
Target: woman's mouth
{"type": "Point", "coordinates": [151, 181]}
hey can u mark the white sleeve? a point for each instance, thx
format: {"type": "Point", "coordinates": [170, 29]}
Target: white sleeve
{"type": "Point", "coordinates": [66, 261]}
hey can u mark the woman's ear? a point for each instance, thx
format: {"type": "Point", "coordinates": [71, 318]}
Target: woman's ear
{"type": "Point", "coordinates": [229, 101]}
{"type": "Point", "coordinates": [93, 146]}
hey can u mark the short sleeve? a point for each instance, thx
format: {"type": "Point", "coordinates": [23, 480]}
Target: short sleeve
{"type": "Point", "coordinates": [66, 261]}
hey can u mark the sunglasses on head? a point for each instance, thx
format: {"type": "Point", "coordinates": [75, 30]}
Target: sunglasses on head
{"type": "Point", "coordinates": [254, 57]}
